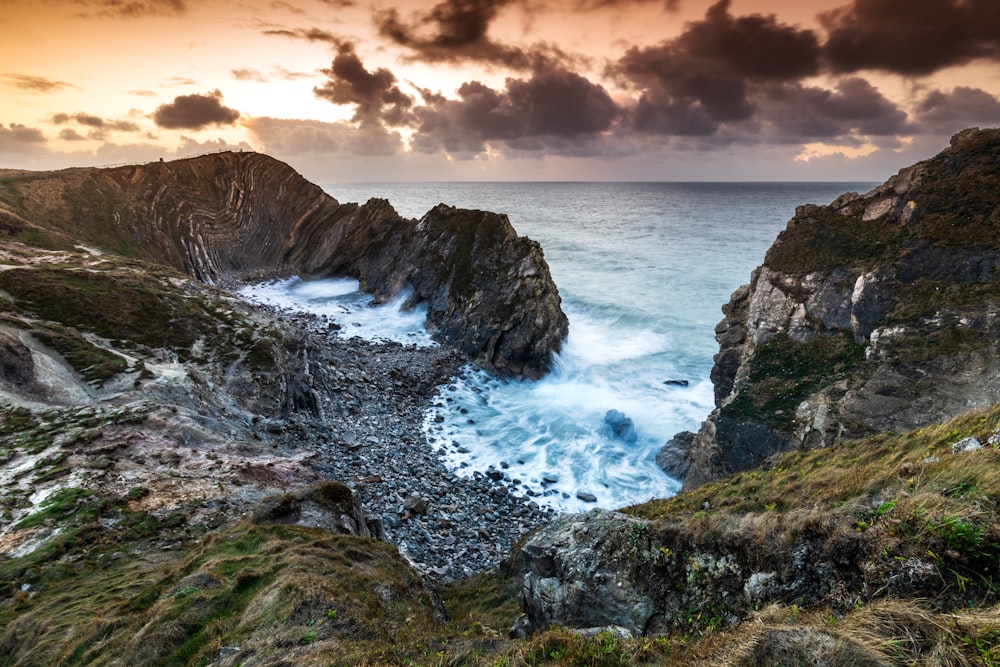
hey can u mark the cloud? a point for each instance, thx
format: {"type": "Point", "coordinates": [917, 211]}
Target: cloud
{"type": "Point", "coordinates": [134, 8]}
{"type": "Point", "coordinates": [452, 31]}
{"type": "Point", "coordinates": [278, 72]}
{"type": "Point", "coordinates": [307, 34]}
{"type": "Point", "coordinates": [376, 96]}
{"type": "Point", "coordinates": [17, 138]}
{"type": "Point", "coordinates": [35, 84]}
{"type": "Point", "coordinates": [297, 137]}
{"type": "Point", "coordinates": [587, 5]}
{"type": "Point", "coordinates": [729, 79]}
{"type": "Point", "coordinates": [193, 112]}
{"type": "Point", "coordinates": [248, 74]}
{"type": "Point", "coordinates": [962, 107]}
{"type": "Point", "coordinates": [142, 93]}
{"type": "Point", "coordinates": [552, 110]}
{"type": "Point", "coordinates": [855, 108]}
{"type": "Point", "coordinates": [69, 134]}
{"type": "Point", "coordinates": [705, 76]}
{"type": "Point", "coordinates": [99, 127]}
{"type": "Point", "coordinates": [911, 37]}
{"type": "Point", "coordinates": [180, 81]}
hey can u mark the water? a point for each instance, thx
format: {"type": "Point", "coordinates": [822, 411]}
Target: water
{"type": "Point", "coordinates": [341, 300]}
{"type": "Point", "coordinates": [643, 270]}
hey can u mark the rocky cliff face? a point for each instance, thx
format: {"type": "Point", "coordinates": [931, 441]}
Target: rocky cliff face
{"type": "Point", "coordinates": [237, 216]}
{"type": "Point", "coordinates": [875, 313]}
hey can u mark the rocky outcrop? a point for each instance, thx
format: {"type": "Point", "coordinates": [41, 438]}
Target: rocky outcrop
{"type": "Point", "coordinates": [329, 506]}
{"type": "Point", "coordinates": [487, 291]}
{"type": "Point", "coordinates": [237, 216]}
{"type": "Point", "coordinates": [875, 313]}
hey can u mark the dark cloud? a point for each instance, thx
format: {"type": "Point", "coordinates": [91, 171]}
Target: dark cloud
{"type": "Point", "coordinates": [587, 5]}
{"type": "Point", "coordinates": [962, 107]}
{"type": "Point", "coordinates": [307, 34]}
{"type": "Point", "coordinates": [296, 137]}
{"type": "Point", "coordinates": [741, 79]}
{"type": "Point", "coordinates": [17, 138]}
{"type": "Point", "coordinates": [133, 8]}
{"type": "Point", "coordinates": [528, 115]}
{"type": "Point", "coordinates": [376, 96]}
{"type": "Point", "coordinates": [35, 84]}
{"type": "Point", "coordinates": [911, 37]}
{"type": "Point", "coordinates": [193, 112]}
{"type": "Point", "coordinates": [704, 77]}
{"type": "Point", "coordinates": [802, 113]}
{"type": "Point", "coordinates": [452, 31]}
{"type": "Point", "coordinates": [69, 134]}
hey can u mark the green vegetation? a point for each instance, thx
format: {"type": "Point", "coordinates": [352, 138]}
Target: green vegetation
{"type": "Point", "coordinates": [135, 305]}
{"type": "Point", "coordinates": [784, 372]}
{"type": "Point", "coordinates": [93, 363]}
{"type": "Point", "coordinates": [268, 594]}
{"type": "Point", "coordinates": [825, 240]}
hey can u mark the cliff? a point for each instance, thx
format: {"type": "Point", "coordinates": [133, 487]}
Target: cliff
{"type": "Point", "coordinates": [875, 313]}
{"type": "Point", "coordinates": [238, 216]}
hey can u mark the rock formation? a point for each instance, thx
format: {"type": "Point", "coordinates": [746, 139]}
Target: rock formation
{"type": "Point", "coordinates": [875, 313]}
{"type": "Point", "coordinates": [238, 216]}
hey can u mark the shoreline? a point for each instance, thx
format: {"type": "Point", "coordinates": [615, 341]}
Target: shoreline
{"type": "Point", "coordinates": [448, 526]}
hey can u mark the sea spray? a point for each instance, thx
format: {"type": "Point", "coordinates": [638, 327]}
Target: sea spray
{"type": "Point", "coordinates": [341, 301]}
{"type": "Point", "coordinates": [643, 269]}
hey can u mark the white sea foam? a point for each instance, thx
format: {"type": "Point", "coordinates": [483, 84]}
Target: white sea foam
{"type": "Point", "coordinates": [340, 300]}
{"type": "Point", "coordinates": [643, 269]}
{"type": "Point", "coordinates": [551, 435]}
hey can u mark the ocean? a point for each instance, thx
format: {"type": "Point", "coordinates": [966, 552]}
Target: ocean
{"type": "Point", "coordinates": [643, 270]}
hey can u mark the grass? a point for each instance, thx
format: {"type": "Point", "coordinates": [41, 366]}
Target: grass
{"type": "Point", "coordinates": [283, 593]}
{"type": "Point", "coordinates": [784, 372]}
{"type": "Point", "coordinates": [93, 363]}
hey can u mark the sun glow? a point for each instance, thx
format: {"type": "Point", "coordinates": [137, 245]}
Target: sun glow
{"type": "Point", "coordinates": [818, 150]}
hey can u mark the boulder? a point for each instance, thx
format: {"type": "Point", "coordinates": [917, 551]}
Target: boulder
{"type": "Point", "coordinates": [16, 365]}
{"type": "Point", "coordinates": [570, 581]}
{"type": "Point", "coordinates": [622, 427]}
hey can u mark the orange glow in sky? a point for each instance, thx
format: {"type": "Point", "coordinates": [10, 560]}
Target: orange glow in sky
{"type": "Point", "coordinates": [500, 89]}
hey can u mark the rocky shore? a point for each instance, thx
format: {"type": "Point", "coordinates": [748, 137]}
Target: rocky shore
{"type": "Point", "coordinates": [448, 526]}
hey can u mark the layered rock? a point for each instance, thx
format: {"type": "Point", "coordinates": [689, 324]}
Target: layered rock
{"type": "Point", "coordinates": [875, 313]}
{"type": "Point", "coordinates": [238, 216]}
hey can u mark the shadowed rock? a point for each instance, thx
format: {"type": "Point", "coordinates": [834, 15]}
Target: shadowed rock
{"type": "Point", "coordinates": [233, 217]}
{"type": "Point", "coordinates": [875, 313]}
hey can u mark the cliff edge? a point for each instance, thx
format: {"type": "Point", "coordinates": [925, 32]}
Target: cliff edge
{"type": "Point", "coordinates": [876, 313]}
{"type": "Point", "coordinates": [241, 216]}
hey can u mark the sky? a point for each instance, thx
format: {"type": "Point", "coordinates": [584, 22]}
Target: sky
{"type": "Point", "coordinates": [501, 90]}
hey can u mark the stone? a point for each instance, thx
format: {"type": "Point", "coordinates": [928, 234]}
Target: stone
{"type": "Point", "coordinates": [571, 581]}
{"type": "Point", "coordinates": [673, 456]}
{"type": "Point", "coordinates": [488, 291]}
{"type": "Point", "coordinates": [16, 365]}
{"type": "Point", "coordinates": [415, 505]}
{"type": "Point", "coordinates": [586, 496]}
{"type": "Point", "coordinates": [969, 444]}
{"type": "Point", "coordinates": [622, 427]}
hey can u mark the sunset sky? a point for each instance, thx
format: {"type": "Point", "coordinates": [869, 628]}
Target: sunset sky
{"type": "Point", "coordinates": [361, 90]}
